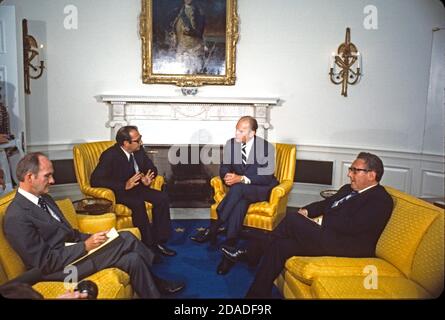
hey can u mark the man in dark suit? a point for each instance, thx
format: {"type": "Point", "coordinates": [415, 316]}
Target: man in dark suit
{"type": "Point", "coordinates": [38, 231]}
{"type": "Point", "coordinates": [353, 220]}
{"type": "Point", "coordinates": [126, 169]}
{"type": "Point", "coordinates": [247, 168]}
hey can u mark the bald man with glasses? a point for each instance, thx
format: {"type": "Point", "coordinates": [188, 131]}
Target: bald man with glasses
{"type": "Point", "coordinates": [353, 220]}
{"type": "Point", "coordinates": [126, 169]}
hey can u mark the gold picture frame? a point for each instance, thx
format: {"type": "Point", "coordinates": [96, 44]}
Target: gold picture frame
{"type": "Point", "coordinates": [189, 43]}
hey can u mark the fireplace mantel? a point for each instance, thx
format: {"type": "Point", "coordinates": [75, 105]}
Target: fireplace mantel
{"type": "Point", "coordinates": [131, 109]}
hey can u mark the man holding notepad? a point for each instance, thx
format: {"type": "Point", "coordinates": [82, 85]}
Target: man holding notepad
{"type": "Point", "coordinates": [37, 230]}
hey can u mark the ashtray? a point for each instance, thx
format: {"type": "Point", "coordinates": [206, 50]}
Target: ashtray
{"type": "Point", "coordinates": [92, 206]}
{"type": "Point", "coordinates": [328, 193]}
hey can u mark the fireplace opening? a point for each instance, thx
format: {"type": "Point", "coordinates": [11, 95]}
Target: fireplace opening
{"type": "Point", "coordinates": [187, 178]}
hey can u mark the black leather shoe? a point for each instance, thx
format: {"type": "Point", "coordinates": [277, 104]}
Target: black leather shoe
{"type": "Point", "coordinates": [201, 236]}
{"type": "Point", "coordinates": [234, 254]}
{"type": "Point", "coordinates": [165, 251]}
{"type": "Point", "coordinates": [168, 287]}
{"type": "Point", "coordinates": [224, 266]}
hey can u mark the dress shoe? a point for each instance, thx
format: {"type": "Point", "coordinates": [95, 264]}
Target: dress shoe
{"type": "Point", "coordinates": [203, 236]}
{"type": "Point", "coordinates": [167, 286]}
{"type": "Point", "coordinates": [165, 251]}
{"type": "Point", "coordinates": [224, 266]}
{"type": "Point", "coordinates": [234, 254]}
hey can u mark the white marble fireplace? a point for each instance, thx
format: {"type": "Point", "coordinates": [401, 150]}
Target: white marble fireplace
{"type": "Point", "coordinates": [186, 119]}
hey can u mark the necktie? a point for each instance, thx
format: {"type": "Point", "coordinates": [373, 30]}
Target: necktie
{"type": "Point", "coordinates": [44, 206]}
{"type": "Point", "coordinates": [131, 161]}
{"type": "Point", "coordinates": [244, 153]}
{"type": "Point", "coordinates": [345, 198]}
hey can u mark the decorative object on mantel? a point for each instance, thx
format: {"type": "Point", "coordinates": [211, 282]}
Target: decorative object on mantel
{"type": "Point", "coordinates": [188, 91]}
{"type": "Point", "coordinates": [342, 63]}
{"type": "Point", "coordinates": [191, 45]}
{"type": "Point", "coordinates": [31, 50]}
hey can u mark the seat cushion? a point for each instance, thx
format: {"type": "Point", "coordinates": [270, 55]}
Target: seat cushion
{"type": "Point", "coordinates": [354, 288]}
{"type": "Point", "coordinates": [306, 269]}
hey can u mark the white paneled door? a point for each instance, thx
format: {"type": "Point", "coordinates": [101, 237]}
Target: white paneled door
{"type": "Point", "coordinates": [10, 60]}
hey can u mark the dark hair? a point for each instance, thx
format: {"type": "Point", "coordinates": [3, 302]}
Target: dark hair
{"type": "Point", "coordinates": [123, 134]}
{"type": "Point", "coordinates": [252, 122]}
{"type": "Point", "coordinates": [373, 163]}
{"type": "Point", "coordinates": [29, 163]}
{"type": "Point", "coordinates": [17, 290]}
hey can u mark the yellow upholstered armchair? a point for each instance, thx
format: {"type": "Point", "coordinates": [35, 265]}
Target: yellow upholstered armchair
{"type": "Point", "coordinates": [409, 261]}
{"type": "Point", "coordinates": [112, 283]}
{"type": "Point", "coordinates": [266, 215]}
{"type": "Point", "coordinates": [86, 158]}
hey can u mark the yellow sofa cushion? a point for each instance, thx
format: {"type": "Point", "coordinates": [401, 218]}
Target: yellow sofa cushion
{"type": "Point", "coordinates": [353, 288]}
{"type": "Point", "coordinates": [408, 224]}
{"type": "Point", "coordinates": [306, 269]}
{"type": "Point", "coordinates": [113, 283]}
{"type": "Point", "coordinates": [428, 263]}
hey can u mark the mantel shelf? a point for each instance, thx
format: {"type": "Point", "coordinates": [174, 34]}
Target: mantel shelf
{"type": "Point", "coordinates": [187, 99]}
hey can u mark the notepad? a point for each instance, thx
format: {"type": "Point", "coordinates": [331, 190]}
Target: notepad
{"type": "Point", "coordinates": [111, 235]}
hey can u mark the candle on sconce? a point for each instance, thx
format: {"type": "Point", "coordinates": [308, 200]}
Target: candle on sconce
{"type": "Point", "coordinates": [41, 51]}
{"type": "Point", "coordinates": [332, 60]}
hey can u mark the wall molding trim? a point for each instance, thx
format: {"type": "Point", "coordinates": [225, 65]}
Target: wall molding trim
{"type": "Point", "coordinates": [418, 174]}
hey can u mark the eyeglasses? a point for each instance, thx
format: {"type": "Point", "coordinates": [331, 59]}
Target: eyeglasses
{"type": "Point", "coordinates": [355, 170]}
{"type": "Point", "coordinates": [139, 140]}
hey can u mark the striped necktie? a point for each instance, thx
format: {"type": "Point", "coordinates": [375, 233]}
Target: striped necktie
{"type": "Point", "coordinates": [345, 198]}
{"type": "Point", "coordinates": [244, 153]}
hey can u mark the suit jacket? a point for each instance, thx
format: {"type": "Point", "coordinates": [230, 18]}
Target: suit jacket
{"type": "Point", "coordinates": [259, 168]}
{"type": "Point", "coordinates": [39, 239]}
{"type": "Point", "coordinates": [353, 227]}
{"type": "Point", "coordinates": [113, 169]}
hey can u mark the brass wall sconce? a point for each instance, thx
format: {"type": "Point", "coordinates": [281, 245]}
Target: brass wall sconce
{"type": "Point", "coordinates": [31, 50]}
{"type": "Point", "coordinates": [342, 63]}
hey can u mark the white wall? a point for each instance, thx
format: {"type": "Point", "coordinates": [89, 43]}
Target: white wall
{"type": "Point", "coordinates": [283, 51]}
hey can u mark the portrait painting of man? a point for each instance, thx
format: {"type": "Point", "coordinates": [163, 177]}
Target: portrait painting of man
{"type": "Point", "coordinates": [189, 37]}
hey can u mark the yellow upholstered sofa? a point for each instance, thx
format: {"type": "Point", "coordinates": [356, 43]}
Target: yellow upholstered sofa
{"type": "Point", "coordinates": [112, 282]}
{"type": "Point", "coordinates": [265, 215]}
{"type": "Point", "coordinates": [86, 158]}
{"type": "Point", "coordinates": [409, 262]}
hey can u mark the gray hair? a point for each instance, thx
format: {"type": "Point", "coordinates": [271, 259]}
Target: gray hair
{"type": "Point", "coordinates": [29, 163]}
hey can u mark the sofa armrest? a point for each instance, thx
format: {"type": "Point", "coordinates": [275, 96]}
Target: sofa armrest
{"type": "Point", "coordinates": [157, 183]}
{"type": "Point", "coordinates": [280, 191]}
{"type": "Point", "coordinates": [218, 188]}
{"type": "Point", "coordinates": [103, 193]}
{"type": "Point", "coordinates": [96, 223]}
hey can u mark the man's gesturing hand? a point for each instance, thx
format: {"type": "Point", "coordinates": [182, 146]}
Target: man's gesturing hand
{"type": "Point", "coordinates": [148, 178]}
{"type": "Point", "coordinates": [133, 181]}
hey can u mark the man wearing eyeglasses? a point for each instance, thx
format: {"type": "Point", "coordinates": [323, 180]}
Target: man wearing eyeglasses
{"type": "Point", "coordinates": [353, 220]}
{"type": "Point", "coordinates": [126, 169]}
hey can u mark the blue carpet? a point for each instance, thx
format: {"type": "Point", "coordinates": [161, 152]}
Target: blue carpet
{"type": "Point", "coordinates": [196, 265]}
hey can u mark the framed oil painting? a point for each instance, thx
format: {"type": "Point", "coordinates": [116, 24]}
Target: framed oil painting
{"type": "Point", "coordinates": [189, 42]}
